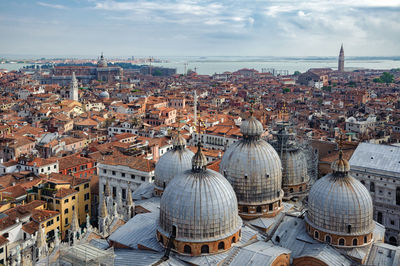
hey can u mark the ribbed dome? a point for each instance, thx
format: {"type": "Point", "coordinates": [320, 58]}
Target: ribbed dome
{"type": "Point", "coordinates": [339, 204]}
{"type": "Point", "coordinates": [254, 170]}
{"type": "Point", "coordinates": [251, 127]}
{"type": "Point", "coordinates": [253, 167]}
{"type": "Point", "coordinates": [173, 163]}
{"type": "Point", "coordinates": [202, 205]}
{"type": "Point", "coordinates": [294, 167]}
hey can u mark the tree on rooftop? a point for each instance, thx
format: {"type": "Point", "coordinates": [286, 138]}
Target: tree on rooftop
{"type": "Point", "coordinates": [386, 77]}
{"type": "Point", "coordinates": [296, 73]}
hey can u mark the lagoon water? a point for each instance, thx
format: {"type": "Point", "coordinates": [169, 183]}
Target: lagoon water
{"type": "Point", "coordinates": [211, 65]}
{"type": "Point", "coordinates": [214, 64]}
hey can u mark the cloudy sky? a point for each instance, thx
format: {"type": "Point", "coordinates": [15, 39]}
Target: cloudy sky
{"type": "Point", "coordinates": [200, 27]}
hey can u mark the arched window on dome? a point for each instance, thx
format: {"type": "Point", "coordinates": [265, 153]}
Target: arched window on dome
{"type": "Point", "coordinates": [355, 241]}
{"type": "Point", "coordinates": [205, 249]}
{"type": "Point", "coordinates": [161, 240]}
{"type": "Point", "coordinates": [258, 209]}
{"type": "Point", "coordinates": [380, 217]}
{"type": "Point", "coordinates": [341, 242]}
{"type": "Point", "coordinates": [316, 234]}
{"type": "Point", "coordinates": [221, 245]}
{"type": "Point", "coordinates": [291, 190]}
{"type": "Point", "coordinates": [365, 239]}
{"type": "Point", "coordinates": [187, 249]}
{"type": "Point", "coordinates": [328, 239]}
{"type": "Point", "coordinates": [233, 240]}
{"type": "Point", "coordinates": [300, 188]}
{"type": "Point", "coordinates": [245, 209]}
{"type": "Point", "coordinates": [372, 187]}
{"type": "Point", "coordinates": [271, 206]}
{"type": "Point", "coordinates": [173, 233]}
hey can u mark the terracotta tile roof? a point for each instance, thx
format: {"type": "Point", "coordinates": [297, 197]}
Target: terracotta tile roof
{"type": "Point", "coordinates": [137, 163]}
{"type": "Point", "coordinates": [64, 192]}
{"type": "Point", "coordinates": [72, 161]}
{"type": "Point", "coordinates": [21, 211]}
{"type": "Point", "coordinates": [62, 179]}
{"type": "Point", "coordinates": [43, 215]}
{"type": "Point", "coordinates": [31, 227]}
{"type": "Point", "coordinates": [38, 162]}
{"type": "Point", "coordinates": [214, 165]}
{"type": "Point", "coordinates": [86, 122]}
{"type": "Point", "coordinates": [13, 192]}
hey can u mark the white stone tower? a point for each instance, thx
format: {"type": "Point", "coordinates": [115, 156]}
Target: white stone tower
{"type": "Point", "coordinates": [73, 94]}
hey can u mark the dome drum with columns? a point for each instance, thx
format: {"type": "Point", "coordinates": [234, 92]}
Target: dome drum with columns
{"type": "Point", "coordinates": [340, 209]}
{"type": "Point", "coordinates": [253, 168]}
{"type": "Point", "coordinates": [172, 163]}
{"type": "Point", "coordinates": [198, 211]}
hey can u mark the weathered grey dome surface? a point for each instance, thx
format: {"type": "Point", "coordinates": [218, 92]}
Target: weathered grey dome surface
{"type": "Point", "coordinates": [102, 62]}
{"type": "Point", "coordinates": [335, 203]}
{"type": "Point", "coordinates": [202, 205]}
{"type": "Point", "coordinates": [254, 170]}
{"type": "Point", "coordinates": [294, 167]}
{"type": "Point", "coordinates": [104, 95]}
{"type": "Point", "coordinates": [172, 163]}
{"type": "Point", "coordinates": [251, 127]}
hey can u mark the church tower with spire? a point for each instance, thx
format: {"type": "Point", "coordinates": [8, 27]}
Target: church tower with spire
{"type": "Point", "coordinates": [73, 94]}
{"type": "Point", "coordinates": [341, 60]}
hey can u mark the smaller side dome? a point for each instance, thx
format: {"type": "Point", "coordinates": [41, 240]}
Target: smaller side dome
{"type": "Point", "coordinates": [104, 95]}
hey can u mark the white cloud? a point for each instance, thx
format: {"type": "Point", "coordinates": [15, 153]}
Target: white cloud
{"type": "Point", "coordinates": [51, 5]}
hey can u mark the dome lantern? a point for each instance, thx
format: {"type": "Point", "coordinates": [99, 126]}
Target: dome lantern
{"type": "Point", "coordinates": [199, 160]}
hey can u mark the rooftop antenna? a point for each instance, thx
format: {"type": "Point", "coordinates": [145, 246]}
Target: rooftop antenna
{"type": "Point", "coordinates": [150, 60]}
{"type": "Point", "coordinates": [195, 108]}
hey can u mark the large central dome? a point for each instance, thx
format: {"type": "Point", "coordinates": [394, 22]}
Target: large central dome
{"type": "Point", "coordinates": [253, 168]}
{"type": "Point", "coordinates": [199, 208]}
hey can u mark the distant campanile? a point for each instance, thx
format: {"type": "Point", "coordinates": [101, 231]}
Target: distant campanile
{"type": "Point", "coordinates": [73, 92]}
{"type": "Point", "coordinates": [341, 60]}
